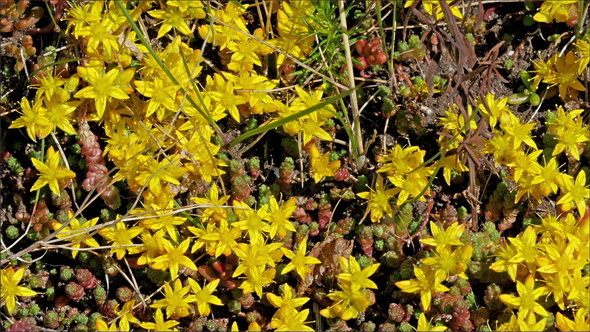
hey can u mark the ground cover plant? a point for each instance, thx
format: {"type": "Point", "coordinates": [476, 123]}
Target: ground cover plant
{"type": "Point", "coordinates": [295, 165]}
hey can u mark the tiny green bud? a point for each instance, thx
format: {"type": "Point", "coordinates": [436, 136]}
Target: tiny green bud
{"type": "Point", "coordinates": [23, 312]}
{"type": "Point", "coordinates": [12, 232]}
{"type": "Point", "coordinates": [80, 319]}
{"type": "Point", "coordinates": [34, 309]}
{"type": "Point", "coordinates": [403, 46]}
{"type": "Point", "coordinates": [555, 38]}
{"type": "Point", "coordinates": [33, 236]}
{"type": "Point", "coordinates": [334, 156]}
{"type": "Point", "coordinates": [405, 90]}
{"type": "Point", "coordinates": [93, 318]}
{"type": "Point", "coordinates": [252, 123]}
{"type": "Point", "coordinates": [379, 244]}
{"type": "Point", "coordinates": [66, 273]}
{"type": "Point", "coordinates": [462, 213]}
{"type": "Point", "coordinates": [414, 41]}
{"type": "Point", "coordinates": [534, 99]}
{"type": "Point", "coordinates": [84, 256]}
{"type": "Point", "coordinates": [76, 148]}
{"type": "Point", "coordinates": [50, 293]}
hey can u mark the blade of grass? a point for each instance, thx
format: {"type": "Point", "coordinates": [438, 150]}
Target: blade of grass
{"type": "Point", "coordinates": [356, 116]}
{"type": "Point", "coordinates": [292, 117]}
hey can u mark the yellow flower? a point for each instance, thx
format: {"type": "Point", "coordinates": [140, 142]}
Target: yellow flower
{"type": "Point", "coordinates": [560, 11]}
{"type": "Point", "coordinates": [154, 174]}
{"type": "Point", "coordinates": [287, 301]}
{"type": "Point", "coordinates": [379, 200]}
{"type": "Point", "coordinates": [310, 126]}
{"type": "Point", "coordinates": [451, 262]}
{"type": "Point", "coordinates": [445, 238]}
{"type": "Point", "coordinates": [349, 302]}
{"type": "Point", "coordinates": [212, 206]}
{"type": "Point", "coordinates": [279, 215]}
{"type": "Point", "coordinates": [176, 300]}
{"type": "Point", "coordinates": [34, 119]}
{"type": "Point", "coordinates": [102, 326]}
{"type": "Point", "coordinates": [299, 262]}
{"type": "Point", "coordinates": [50, 172]}
{"type": "Point", "coordinates": [219, 240]}
{"type": "Point", "coordinates": [126, 314]}
{"type": "Point", "coordinates": [58, 114]}
{"type": "Point", "coordinates": [256, 277]}
{"type": "Point", "coordinates": [520, 133]}
{"type": "Point", "coordinates": [424, 325]}
{"type": "Point", "coordinates": [151, 248]}
{"type": "Point", "coordinates": [545, 71]}
{"type": "Point", "coordinates": [163, 219]}
{"type": "Point", "coordinates": [205, 296]}
{"type": "Point", "coordinates": [531, 324]}
{"type": "Point", "coordinates": [583, 49]}
{"type": "Point", "coordinates": [525, 163]}
{"type": "Point", "coordinates": [173, 17]}
{"type": "Point", "coordinates": [161, 93]}
{"type": "Point", "coordinates": [427, 282]}
{"type": "Point", "coordinates": [307, 100]}
{"type": "Point", "coordinates": [351, 272]}
{"type": "Point", "coordinates": [252, 221]}
{"type": "Point", "coordinates": [256, 254]}
{"type": "Point", "coordinates": [101, 39]}
{"type": "Point", "coordinates": [160, 324]}
{"type": "Point", "coordinates": [576, 192]}
{"type": "Point", "coordinates": [102, 87]}
{"type": "Point", "coordinates": [493, 109]}
{"type": "Point", "coordinates": [173, 258]}
{"type": "Point", "coordinates": [10, 288]}
{"type": "Point", "coordinates": [528, 296]}
{"type": "Point", "coordinates": [77, 233]}
{"type": "Point", "coordinates": [572, 141]}
{"type": "Point", "coordinates": [291, 320]}
{"type": "Point", "coordinates": [526, 248]}
{"type": "Point", "coordinates": [432, 7]}
{"type": "Point", "coordinates": [580, 322]}
{"type": "Point", "coordinates": [120, 238]}
{"type": "Point", "coordinates": [227, 98]}
{"type": "Point", "coordinates": [321, 166]}
{"type": "Point", "coordinates": [566, 76]}
{"type": "Point", "coordinates": [412, 185]}
{"type": "Point", "coordinates": [505, 263]}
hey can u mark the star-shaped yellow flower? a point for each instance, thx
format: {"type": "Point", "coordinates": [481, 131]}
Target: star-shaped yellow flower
{"type": "Point", "coordinates": [427, 282]}
{"type": "Point", "coordinates": [299, 262]}
{"type": "Point", "coordinates": [173, 258]}
{"type": "Point", "coordinates": [204, 296]}
{"type": "Point", "coordinates": [10, 288]}
{"type": "Point", "coordinates": [321, 166]}
{"type": "Point", "coordinates": [527, 302]}
{"type": "Point", "coordinates": [51, 172]}
{"type": "Point", "coordinates": [77, 233]}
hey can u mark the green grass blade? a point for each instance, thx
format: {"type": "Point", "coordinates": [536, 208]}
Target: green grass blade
{"type": "Point", "coordinates": [292, 117]}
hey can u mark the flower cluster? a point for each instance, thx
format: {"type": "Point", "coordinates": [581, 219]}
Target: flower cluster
{"type": "Point", "coordinates": [169, 133]}
{"type": "Point", "coordinates": [554, 254]}
{"type": "Point", "coordinates": [355, 295]}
